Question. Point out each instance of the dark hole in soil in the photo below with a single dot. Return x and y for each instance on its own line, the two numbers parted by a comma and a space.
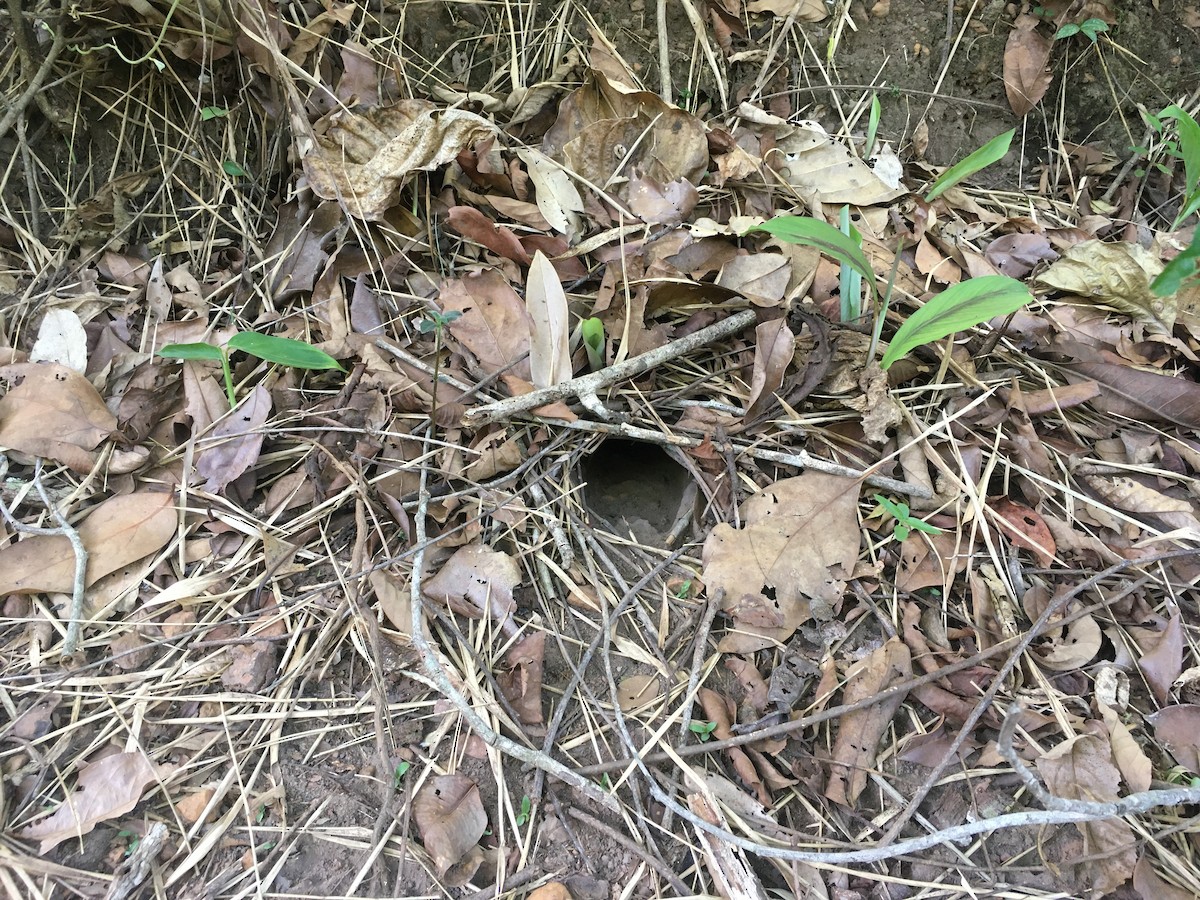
636, 486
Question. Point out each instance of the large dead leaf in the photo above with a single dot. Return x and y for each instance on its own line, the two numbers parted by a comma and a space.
521, 683
53, 412
791, 559
361, 160
477, 582
1133, 496
1115, 274
235, 442
1178, 729
773, 350
549, 347
117, 532
1081, 769
859, 732
1027, 73
449, 812
494, 325
555, 194
106, 789
607, 136
475, 226
1162, 662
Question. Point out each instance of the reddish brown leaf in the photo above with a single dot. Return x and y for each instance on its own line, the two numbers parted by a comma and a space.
1027, 74
475, 226
1026, 529
235, 442
494, 324
522, 683
1178, 729
1164, 661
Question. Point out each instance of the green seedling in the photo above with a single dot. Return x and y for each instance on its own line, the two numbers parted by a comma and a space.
906, 522
281, 351
526, 809
1188, 132
592, 331
132, 840
208, 113
398, 774
1090, 28
991, 152
701, 729
809, 232
234, 168
849, 280
436, 324
959, 307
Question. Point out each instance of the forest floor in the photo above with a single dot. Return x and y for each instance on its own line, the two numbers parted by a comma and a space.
445, 452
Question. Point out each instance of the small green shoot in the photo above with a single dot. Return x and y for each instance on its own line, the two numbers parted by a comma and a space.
701, 729
906, 522
684, 589
849, 281
809, 232
872, 125
131, 838
523, 814
232, 167
1090, 28
281, 351
592, 331
208, 113
436, 324
1188, 132
399, 773
959, 307
261, 815
991, 152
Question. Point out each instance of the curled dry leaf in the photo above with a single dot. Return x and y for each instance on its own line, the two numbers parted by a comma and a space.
859, 731
773, 350
1072, 647
797, 547
361, 160
521, 684
450, 815
235, 442
1117, 275
1135, 497
1027, 74
1136, 768
475, 226
53, 412
1081, 768
107, 788
117, 532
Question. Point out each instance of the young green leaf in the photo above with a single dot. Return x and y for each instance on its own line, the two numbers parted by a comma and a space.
592, 331
191, 351
1186, 265
811, 232
992, 151
284, 351
959, 307
1189, 149
232, 167
872, 125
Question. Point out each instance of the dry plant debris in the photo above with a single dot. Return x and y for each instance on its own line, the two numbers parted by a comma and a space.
927, 629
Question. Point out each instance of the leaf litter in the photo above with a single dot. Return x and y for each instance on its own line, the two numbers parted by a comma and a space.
799, 682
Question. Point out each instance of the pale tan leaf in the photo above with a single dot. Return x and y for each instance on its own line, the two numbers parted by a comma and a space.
790, 560
1135, 497
395, 600
1178, 729
1136, 768
450, 815
1162, 662
859, 732
549, 344
1072, 647
117, 532
477, 582
762, 277
1027, 74
638, 691
554, 192
53, 412
106, 789
62, 340
804, 10
1148, 883
361, 160
825, 169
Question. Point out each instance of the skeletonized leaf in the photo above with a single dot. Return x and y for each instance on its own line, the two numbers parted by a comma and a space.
960, 306
549, 344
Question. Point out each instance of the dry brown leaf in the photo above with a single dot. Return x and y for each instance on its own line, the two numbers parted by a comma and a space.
1136, 768
1073, 647
494, 325
1135, 497
1028, 529
554, 192
638, 691
395, 600
1018, 253
762, 277
1142, 396
521, 684
1081, 768
930, 561
1150, 885
53, 412
107, 788
1163, 662
661, 204
773, 350
117, 532
62, 340
1115, 274
475, 226
822, 168
361, 160
477, 582
1027, 73
235, 442
797, 547
804, 10
450, 814
549, 344
719, 711
555, 890
1178, 729
859, 732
